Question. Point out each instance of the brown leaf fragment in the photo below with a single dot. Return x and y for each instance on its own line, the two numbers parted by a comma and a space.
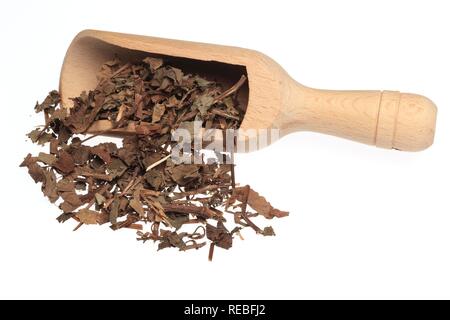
175, 74
63, 217
85, 111
64, 163
154, 63
156, 208
102, 153
172, 102
65, 185
46, 158
66, 207
202, 82
80, 185
54, 146
59, 114
171, 239
158, 112
36, 172
80, 153
183, 174
121, 112
155, 178
71, 198
102, 218
175, 240
29, 159
50, 102
163, 244
177, 220
114, 213
87, 216
203, 103
147, 128
150, 159
116, 167
137, 206
49, 185
219, 235
40, 137
268, 231
261, 205
139, 102
99, 199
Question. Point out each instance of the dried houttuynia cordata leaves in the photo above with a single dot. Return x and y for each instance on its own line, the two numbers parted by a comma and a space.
138, 185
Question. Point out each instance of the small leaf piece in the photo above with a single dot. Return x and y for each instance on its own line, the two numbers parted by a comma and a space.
87, 216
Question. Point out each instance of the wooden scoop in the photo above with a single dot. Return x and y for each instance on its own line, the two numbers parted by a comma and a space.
387, 119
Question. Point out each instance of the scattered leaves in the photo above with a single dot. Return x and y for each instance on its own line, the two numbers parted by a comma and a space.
138, 185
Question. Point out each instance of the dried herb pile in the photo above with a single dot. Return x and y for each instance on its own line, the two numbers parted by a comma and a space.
137, 185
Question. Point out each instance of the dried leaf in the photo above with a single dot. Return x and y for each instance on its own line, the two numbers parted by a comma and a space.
137, 206
49, 185
155, 179
99, 199
262, 206
37, 136
102, 153
158, 112
46, 158
71, 198
185, 173
87, 216
177, 220
203, 103
64, 163
114, 212
268, 231
219, 235
152, 99
116, 167
63, 217
154, 63
50, 102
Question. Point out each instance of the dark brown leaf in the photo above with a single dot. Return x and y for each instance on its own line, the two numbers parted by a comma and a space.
219, 235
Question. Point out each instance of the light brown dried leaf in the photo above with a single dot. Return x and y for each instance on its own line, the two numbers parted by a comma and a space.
87, 216
263, 207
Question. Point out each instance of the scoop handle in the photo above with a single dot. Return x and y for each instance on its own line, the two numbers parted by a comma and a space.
387, 119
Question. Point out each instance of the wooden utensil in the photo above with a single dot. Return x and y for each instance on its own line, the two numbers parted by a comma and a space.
387, 119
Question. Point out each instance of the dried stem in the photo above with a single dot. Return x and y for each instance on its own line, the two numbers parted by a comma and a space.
231, 90
157, 163
211, 251
233, 179
194, 210
224, 114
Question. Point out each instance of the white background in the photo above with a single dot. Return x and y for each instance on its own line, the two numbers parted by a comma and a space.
364, 223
